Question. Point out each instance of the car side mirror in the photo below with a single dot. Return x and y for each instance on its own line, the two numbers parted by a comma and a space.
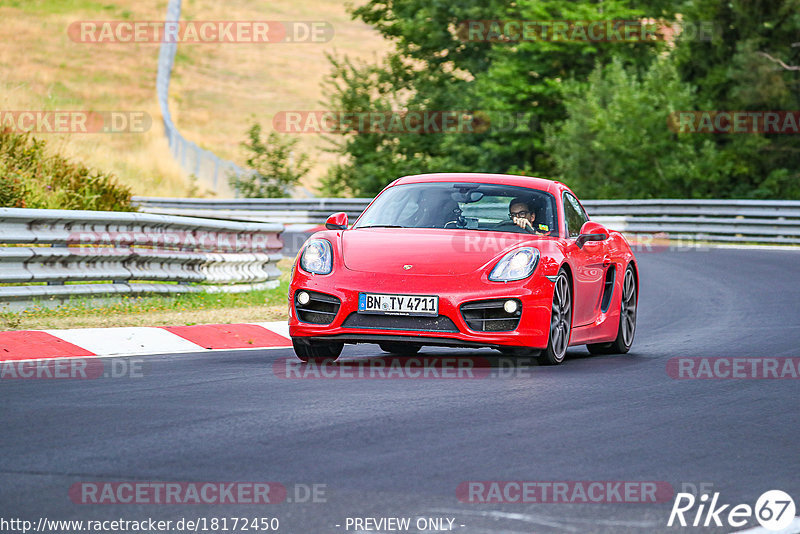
337, 221
591, 231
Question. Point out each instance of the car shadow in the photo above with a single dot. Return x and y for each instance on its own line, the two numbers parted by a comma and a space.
482, 359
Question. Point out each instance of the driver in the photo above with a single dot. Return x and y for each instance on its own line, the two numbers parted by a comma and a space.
522, 213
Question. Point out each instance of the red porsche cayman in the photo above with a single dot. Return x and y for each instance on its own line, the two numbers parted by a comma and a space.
465, 260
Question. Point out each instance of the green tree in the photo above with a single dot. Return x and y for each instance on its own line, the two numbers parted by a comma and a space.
275, 168
434, 67
616, 142
750, 64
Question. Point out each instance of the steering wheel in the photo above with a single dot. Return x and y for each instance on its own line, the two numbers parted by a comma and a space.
527, 229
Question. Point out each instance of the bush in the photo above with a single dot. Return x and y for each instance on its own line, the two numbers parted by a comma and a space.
31, 178
273, 172
11, 192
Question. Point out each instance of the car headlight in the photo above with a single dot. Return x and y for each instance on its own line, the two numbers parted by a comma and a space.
515, 265
317, 257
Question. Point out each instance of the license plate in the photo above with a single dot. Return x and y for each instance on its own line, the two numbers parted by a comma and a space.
398, 304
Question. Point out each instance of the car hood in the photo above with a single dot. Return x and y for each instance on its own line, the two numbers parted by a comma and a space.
428, 251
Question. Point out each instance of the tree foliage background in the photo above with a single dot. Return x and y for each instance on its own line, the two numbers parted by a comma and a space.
594, 113
274, 168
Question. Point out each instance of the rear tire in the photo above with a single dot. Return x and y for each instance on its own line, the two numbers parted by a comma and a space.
599, 348
317, 352
627, 319
404, 349
560, 322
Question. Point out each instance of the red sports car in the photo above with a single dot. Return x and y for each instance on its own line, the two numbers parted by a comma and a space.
465, 260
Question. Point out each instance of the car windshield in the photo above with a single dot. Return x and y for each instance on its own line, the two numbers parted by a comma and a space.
471, 206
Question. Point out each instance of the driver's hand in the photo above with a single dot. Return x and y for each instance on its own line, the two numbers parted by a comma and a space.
523, 223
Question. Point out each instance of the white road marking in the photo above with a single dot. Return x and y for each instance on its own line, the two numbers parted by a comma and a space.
130, 341
526, 518
279, 327
793, 528
557, 522
196, 350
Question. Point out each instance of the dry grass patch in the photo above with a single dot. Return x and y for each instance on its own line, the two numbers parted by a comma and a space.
217, 90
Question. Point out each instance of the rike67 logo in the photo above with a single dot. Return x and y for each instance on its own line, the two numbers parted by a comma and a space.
774, 510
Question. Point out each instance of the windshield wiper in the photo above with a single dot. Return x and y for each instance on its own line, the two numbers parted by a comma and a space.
383, 226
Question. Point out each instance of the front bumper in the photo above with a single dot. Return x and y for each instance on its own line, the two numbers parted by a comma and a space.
535, 295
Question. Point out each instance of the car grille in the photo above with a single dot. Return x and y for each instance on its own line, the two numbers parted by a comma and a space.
440, 323
321, 309
490, 316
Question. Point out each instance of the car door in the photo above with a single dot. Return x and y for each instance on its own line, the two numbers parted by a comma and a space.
587, 264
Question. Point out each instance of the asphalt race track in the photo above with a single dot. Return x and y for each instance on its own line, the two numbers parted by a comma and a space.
400, 448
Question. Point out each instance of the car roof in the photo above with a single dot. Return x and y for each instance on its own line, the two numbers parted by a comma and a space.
479, 177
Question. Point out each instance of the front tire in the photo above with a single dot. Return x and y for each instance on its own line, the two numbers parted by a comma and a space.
627, 319
560, 322
519, 352
317, 352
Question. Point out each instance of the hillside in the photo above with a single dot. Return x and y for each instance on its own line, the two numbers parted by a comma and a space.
217, 89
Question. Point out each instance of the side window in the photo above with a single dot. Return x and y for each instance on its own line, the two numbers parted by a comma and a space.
573, 215
489, 209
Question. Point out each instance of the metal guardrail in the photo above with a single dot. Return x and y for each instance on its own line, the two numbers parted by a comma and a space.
715, 221
57, 254
761, 221
283, 210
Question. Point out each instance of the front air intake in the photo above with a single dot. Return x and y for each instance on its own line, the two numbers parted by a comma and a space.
319, 309
440, 323
491, 315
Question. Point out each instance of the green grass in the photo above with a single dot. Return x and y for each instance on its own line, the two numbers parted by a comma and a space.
60, 7
148, 304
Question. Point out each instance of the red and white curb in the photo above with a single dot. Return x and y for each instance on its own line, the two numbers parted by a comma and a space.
135, 341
